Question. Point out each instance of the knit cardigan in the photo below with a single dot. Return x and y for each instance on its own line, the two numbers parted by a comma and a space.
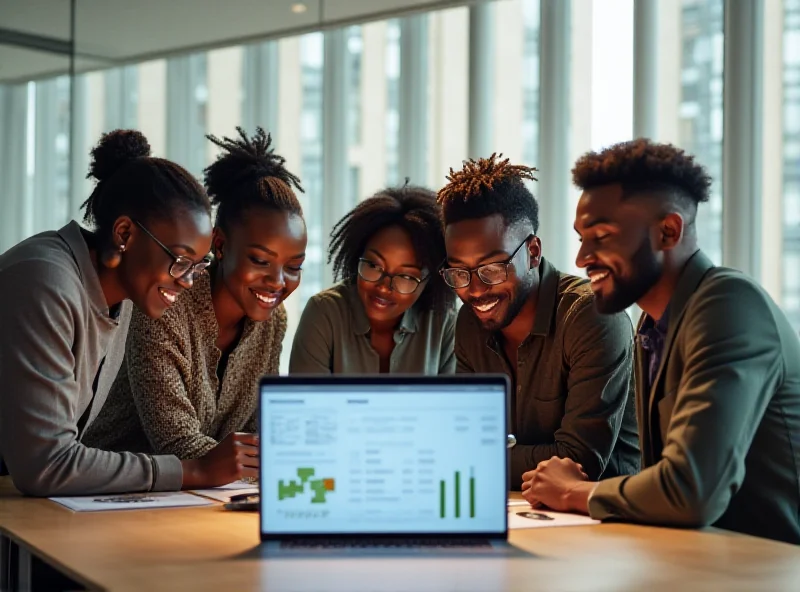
167, 398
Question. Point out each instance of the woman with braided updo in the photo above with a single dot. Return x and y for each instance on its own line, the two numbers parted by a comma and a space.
190, 378
391, 312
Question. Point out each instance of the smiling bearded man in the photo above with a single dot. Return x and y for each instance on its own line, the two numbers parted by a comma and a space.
717, 361
569, 365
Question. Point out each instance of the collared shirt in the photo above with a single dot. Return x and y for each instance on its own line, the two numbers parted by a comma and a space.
333, 338
652, 337
167, 398
572, 390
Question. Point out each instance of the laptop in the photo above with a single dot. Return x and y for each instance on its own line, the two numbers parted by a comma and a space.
383, 462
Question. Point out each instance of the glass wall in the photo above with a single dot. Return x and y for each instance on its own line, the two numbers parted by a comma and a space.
359, 108
700, 131
404, 98
791, 161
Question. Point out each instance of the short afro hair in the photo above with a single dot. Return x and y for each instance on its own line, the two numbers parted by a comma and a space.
487, 187
412, 208
641, 166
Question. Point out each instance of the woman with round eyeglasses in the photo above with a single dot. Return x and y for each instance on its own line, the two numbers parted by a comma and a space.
190, 377
183, 268
65, 311
391, 312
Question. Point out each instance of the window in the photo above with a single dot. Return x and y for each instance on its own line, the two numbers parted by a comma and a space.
310, 98
392, 124
791, 162
700, 129
406, 94
612, 73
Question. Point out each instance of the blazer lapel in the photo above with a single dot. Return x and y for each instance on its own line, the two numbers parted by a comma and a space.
691, 276
640, 376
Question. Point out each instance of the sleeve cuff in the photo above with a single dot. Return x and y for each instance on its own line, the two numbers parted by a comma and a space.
601, 506
167, 473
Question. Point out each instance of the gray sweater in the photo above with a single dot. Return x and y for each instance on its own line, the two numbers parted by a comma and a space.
57, 339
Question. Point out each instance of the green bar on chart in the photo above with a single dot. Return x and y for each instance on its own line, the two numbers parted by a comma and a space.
471, 493
441, 498
458, 494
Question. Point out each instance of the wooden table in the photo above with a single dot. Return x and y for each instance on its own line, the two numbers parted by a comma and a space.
213, 549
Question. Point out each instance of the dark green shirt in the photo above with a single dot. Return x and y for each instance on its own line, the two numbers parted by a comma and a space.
333, 338
572, 390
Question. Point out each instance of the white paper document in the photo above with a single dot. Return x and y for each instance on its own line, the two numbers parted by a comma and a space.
521, 503
530, 518
226, 492
240, 484
131, 501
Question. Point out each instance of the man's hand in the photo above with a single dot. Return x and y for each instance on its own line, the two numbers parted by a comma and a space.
559, 484
235, 457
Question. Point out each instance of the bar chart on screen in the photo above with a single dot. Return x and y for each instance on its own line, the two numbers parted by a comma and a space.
462, 497
378, 461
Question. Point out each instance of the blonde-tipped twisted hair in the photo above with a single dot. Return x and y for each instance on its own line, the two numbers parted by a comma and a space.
482, 174
489, 186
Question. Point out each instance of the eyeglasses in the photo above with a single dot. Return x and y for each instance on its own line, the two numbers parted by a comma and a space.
181, 266
490, 274
400, 283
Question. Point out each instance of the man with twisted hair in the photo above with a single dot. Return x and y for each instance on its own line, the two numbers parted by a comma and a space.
569, 365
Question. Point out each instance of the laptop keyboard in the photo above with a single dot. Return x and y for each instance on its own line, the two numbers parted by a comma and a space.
383, 543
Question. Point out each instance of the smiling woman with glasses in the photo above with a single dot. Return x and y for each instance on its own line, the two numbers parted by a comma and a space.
66, 320
183, 268
402, 283
391, 312
189, 377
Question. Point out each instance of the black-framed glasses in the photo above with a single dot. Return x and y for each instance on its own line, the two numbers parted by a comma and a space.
399, 282
490, 274
181, 266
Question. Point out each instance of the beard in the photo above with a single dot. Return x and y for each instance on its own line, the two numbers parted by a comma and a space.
645, 271
515, 304
524, 292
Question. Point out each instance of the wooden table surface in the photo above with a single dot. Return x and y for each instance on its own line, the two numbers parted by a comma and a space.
213, 549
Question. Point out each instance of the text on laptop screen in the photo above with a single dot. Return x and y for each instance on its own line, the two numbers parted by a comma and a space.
388, 459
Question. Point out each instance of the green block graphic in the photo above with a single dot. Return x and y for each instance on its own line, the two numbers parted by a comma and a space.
318, 487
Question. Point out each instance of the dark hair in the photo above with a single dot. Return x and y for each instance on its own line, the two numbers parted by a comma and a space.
409, 207
643, 166
248, 174
132, 183
487, 187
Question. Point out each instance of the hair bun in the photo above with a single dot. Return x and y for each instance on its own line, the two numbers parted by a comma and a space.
114, 150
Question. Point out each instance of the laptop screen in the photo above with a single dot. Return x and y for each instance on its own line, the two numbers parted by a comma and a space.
383, 456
